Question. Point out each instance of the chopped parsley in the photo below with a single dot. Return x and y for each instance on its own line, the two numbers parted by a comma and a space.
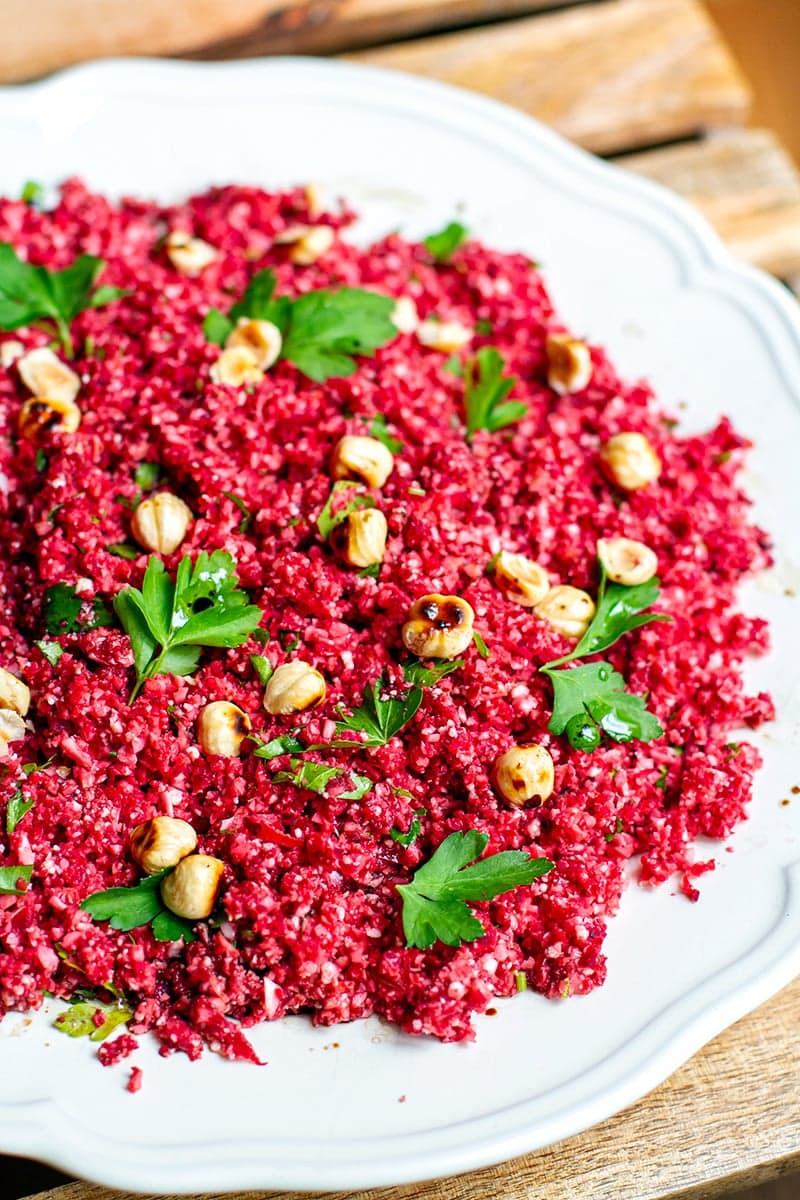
312, 776
16, 809
10, 879
247, 516
322, 330
480, 645
51, 650
485, 391
379, 717
168, 623
434, 902
362, 784
379, 429
32, 193
262, 667
124, 550
285, 744
411, 834
128, 908
428, 674
63, 608
35, 296
80, 1019
147, 475
618, 827
442, 245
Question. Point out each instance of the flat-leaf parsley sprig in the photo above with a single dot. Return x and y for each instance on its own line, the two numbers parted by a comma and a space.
322, 330
35, 296
128, 908
593, 696
168, 623
434, 902
485, 391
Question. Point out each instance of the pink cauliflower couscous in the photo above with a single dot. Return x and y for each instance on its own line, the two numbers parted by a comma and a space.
307, 916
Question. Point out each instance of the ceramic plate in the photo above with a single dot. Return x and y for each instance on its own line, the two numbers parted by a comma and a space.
631, 267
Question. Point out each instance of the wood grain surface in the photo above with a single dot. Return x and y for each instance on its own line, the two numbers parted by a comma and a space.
747, 186
42, 35
609, 76
728, 1119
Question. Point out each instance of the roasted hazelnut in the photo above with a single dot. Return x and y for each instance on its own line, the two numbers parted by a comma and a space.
14, 694
191, 890
523, 580
261, 338
524, 773
446, 336
161, 842
357, 457
569, 364
630, 461
293, 687
47, 377
236, 366
438, 626
311, 245
567, 609
40, 416
627, 561
360, 539
160, 522
12, 729
10, 351
222, 728
189, 255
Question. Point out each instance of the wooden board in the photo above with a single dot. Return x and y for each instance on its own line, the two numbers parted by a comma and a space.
42, 35
729, 1118
747, 186
610, 76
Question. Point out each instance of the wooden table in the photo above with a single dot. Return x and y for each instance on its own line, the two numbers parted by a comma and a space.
652, 84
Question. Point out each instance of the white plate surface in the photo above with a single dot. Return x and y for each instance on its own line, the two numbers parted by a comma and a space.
630, 267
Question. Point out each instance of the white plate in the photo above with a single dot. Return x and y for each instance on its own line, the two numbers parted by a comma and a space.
360, 1105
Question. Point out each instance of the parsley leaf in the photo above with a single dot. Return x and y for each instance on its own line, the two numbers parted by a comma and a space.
10, 877
485, 391
379, 429
34, 295
312, 776
362, 784
328, 519
124, 550
130, 907
168, 623
428, 674
16, 809
619, 610
480, 645
597, 689
32, 193
412, 833
443, 244
262, 667
51, 650
147, 475
434, 907
62, 611
285, 744
378, 717
322, 330
79, 1020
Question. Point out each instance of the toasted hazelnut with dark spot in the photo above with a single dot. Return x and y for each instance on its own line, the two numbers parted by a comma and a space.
47, 377
630, 461
627, 561
523, 580
161, 842
40, 416
567, 609
222, 727
524, 773
569, 364
438, 626
293, 687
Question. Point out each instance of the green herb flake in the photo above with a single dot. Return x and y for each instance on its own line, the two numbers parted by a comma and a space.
51, 650
32, 193
147, 475
734, 749
63, 607
480, 645
428, 674
618, 827
416, 491
16, 809
285, 744
262, 667
483, 327
32, 295
79, 1020
410, 835
379, 429
10, 879
247, 516
485, 391
442, 245
312, 776
454, 366
362, 785
521, 981
661, 782
127, 908
169, 623
434, 902
492, 563
124, 550
31, 768
217, 328
41, 461
373, 571
328, 519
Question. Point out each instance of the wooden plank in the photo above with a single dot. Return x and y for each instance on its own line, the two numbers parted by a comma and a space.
747, 186
612, 76
729, 1118
42, 35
